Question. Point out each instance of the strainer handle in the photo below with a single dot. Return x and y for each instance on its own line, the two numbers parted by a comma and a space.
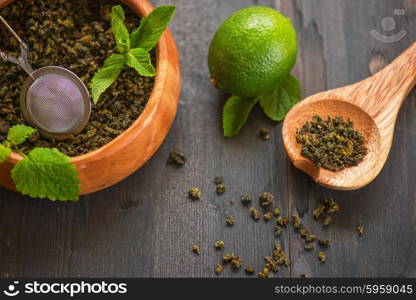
22, 60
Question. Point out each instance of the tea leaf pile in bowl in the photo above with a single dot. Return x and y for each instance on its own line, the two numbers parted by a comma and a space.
76, 35
96, 41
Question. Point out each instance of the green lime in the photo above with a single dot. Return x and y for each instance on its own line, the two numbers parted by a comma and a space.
252, 52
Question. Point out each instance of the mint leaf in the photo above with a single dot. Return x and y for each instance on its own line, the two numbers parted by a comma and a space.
152, 27
19, 133
4, 153
115, 59
278, 102
120, 31
235, 114
47, 173
140, 60
106, 76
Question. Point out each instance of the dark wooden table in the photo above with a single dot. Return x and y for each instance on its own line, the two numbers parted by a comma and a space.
145, 226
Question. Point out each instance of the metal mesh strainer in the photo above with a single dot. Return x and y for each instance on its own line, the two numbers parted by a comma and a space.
53, 99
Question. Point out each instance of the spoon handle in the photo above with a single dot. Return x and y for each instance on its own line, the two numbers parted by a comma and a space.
382, 95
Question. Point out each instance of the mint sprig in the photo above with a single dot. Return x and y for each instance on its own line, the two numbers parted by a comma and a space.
43, 173
133, 49
19, 133
106, 76
235, 114
15, 136
140, 60
276, 104
47, 173
120, 31
4, 153
152, 27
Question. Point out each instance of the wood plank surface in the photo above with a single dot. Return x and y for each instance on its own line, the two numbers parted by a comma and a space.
146, 225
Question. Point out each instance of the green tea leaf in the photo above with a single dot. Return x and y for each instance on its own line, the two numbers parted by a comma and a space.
235, 114
152, 27
120, 31
277, 103
139, 59
19, 133
4, 153
47, 173
106, 76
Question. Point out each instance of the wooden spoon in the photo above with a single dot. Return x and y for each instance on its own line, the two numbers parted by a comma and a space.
372, 104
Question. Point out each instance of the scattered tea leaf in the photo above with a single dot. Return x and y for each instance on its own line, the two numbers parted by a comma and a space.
255, 214
271, 264
218, 269
220, 188
303, 232
249, 270
230, 221
196, 249
296, 221
227, 257
309, 247
264, 134
236, 262
219, 245
311, 238
245, 200
319, 209
195, 193
264, 274
267, 216
322, 256
265, 199
331, 205
282, 221
324, 242
276, 212
360, 229
177, 158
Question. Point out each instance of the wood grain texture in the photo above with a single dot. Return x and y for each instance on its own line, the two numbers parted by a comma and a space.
121, 157
145, 226
336, 50
372, 104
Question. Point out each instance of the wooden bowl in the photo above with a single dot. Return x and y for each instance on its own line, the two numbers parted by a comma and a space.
122, 156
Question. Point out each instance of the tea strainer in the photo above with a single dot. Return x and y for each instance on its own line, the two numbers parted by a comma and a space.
53, 99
